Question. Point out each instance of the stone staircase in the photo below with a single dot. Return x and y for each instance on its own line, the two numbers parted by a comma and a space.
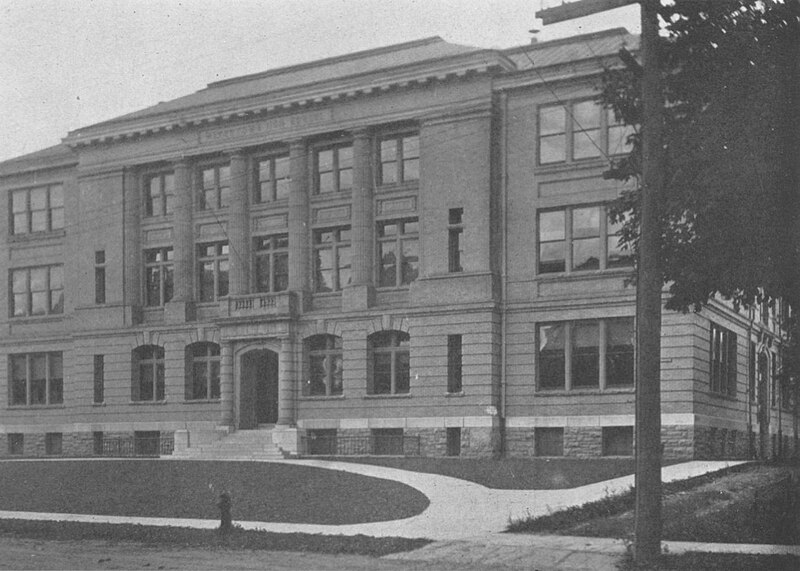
240, 445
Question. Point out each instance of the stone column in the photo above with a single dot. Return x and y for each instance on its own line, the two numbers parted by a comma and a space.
226, 384
239, 227
132, 291
299, 270
286, 382
180, 309
360, 294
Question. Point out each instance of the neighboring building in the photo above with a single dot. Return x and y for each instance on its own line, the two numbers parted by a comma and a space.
408, 241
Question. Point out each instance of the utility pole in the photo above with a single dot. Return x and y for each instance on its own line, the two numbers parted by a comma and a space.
647, 545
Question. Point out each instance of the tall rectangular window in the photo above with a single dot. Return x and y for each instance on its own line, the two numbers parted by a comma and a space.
586, 354
215, 187
455, 243
158, 272
213, 264
331, 259
16, 444
751, 373
723, 360
333, 168
37, 291
272, 179
454, 364
399, 158
398, 252
579, 238
586, 141
271, 263
38, 209
618, 135
100, 277
53, 443
159, 194
36, 379
552, 134
99, 379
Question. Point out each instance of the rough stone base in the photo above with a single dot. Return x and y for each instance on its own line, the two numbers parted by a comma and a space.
73, 444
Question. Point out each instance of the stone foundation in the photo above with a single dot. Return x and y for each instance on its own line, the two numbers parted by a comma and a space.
73, 444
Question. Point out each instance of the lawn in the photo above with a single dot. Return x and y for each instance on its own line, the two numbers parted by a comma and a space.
513, 473
151, 488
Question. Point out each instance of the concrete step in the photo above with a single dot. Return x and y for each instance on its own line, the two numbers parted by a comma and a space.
244, 444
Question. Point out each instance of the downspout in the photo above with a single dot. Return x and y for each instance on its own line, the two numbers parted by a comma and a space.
504, 265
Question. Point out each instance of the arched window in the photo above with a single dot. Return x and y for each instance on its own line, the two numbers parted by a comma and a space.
323, 365
389, 362
148, 373
202, 371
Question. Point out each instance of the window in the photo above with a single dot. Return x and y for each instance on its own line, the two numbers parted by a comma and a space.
37, 379
580, 130
99, 379
570, 241
548, 441
38, 209
158, 271
751, 373
53, 443
331, 259
454, 441
215, 187
334, 169
202, 371
159, 194
100, 277
321, 441
16, 444
571, 353
390, 363
37, 291
97, 443
454, 360
212, 259
617, 440
723, 360
398, 252
272, 263
148, 373
455, 246
399, 158
325, 365
273, 179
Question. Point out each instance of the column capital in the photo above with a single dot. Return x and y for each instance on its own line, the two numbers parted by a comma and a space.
361, 132
180, 162
298, 144
236, 154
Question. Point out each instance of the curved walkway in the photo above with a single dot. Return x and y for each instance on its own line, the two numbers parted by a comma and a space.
458, 509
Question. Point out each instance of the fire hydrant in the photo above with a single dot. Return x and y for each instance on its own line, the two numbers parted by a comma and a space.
225, 522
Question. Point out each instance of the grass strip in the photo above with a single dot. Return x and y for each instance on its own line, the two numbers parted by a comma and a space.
237, 539
721, 562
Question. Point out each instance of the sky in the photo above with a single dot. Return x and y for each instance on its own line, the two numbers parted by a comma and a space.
67, 64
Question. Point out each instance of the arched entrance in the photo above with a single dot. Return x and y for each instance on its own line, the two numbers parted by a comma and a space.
258, 396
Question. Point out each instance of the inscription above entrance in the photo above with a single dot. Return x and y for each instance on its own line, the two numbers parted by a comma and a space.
250, 129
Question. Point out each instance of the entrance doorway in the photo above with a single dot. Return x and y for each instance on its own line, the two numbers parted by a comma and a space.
258, 402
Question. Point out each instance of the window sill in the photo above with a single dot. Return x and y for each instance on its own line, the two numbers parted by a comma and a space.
36, 236
201, 401
721, 396
584, 391
403, 287
54, 317
459, 394
398, 186
99, 404
35, 406
146, 402
388, 396
568, 165
331, 196
585, 274
321, 397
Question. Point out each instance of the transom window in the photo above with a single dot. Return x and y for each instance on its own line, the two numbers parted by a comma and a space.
37, 291
215, 187
570, 240
723, 360
159, 194
587, 354
325, 366
398, 252
334, 169
212, 259
390, 363
579, 130
399, 158
148, 373
38, 209
202, 371
36, 379
273, 179
158, 271
331, 259
272, 263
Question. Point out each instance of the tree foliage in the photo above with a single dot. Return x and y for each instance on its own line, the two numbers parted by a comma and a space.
731, 209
